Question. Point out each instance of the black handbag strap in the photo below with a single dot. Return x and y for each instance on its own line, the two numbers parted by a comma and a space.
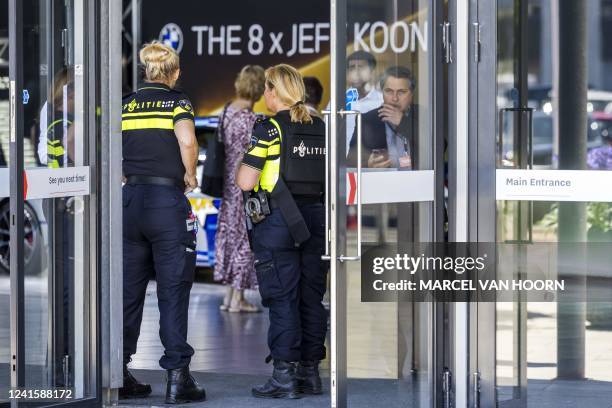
220, 126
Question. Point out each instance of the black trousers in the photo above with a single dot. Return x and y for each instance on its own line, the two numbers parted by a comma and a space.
157, 242
292, 282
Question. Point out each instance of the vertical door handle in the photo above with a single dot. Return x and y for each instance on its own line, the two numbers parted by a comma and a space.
529, 112
522, 149
357, 257
12, 111
522, 121
327, 256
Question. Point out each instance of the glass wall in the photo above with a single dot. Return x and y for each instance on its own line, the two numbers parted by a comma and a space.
388, 79
56, 289
543, 126
5, 289
58, 314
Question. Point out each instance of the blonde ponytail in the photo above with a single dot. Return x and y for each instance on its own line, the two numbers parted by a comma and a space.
160, 62
289, 86
299, 113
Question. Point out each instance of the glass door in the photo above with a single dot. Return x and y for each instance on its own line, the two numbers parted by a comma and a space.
52, 262
385, 193
544, 148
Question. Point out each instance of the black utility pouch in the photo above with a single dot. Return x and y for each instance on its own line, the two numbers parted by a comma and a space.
257, 206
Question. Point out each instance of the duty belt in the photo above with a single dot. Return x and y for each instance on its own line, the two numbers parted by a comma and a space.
159, 181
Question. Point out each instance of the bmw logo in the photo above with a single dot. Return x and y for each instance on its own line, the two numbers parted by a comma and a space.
172, 35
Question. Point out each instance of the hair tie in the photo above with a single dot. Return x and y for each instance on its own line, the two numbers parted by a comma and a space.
298, 103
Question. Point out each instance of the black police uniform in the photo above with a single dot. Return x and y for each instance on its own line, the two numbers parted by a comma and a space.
159, 235
292, 277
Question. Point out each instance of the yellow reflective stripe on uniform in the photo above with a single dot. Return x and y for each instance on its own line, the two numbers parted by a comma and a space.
55, 150
55, 122
258, 152
53, 164
52, 142
153, 113
274, 150
179, 109
269, 175
263, 142
151, 123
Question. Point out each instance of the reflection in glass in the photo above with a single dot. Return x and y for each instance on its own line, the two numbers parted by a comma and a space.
5, 291
387, 80
56, 122
5, 298
57, 310
533, 339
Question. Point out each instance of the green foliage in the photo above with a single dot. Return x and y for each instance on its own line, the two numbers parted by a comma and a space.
599, 217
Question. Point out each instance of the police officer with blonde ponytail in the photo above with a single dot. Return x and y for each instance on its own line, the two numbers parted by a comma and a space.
283, 172
160, 154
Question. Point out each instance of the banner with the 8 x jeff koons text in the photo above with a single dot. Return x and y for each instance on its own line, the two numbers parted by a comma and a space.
487, 272
215, 41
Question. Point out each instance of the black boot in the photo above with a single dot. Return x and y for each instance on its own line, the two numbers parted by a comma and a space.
282, 384
183, 388
132, 388
308, 380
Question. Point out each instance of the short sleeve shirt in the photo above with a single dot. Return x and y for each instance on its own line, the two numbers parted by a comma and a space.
263, 152
150, 146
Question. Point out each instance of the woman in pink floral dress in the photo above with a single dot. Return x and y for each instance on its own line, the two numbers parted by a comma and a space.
233, 257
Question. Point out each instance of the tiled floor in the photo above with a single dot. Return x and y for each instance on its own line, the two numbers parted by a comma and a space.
230, 351
223, 342
233, 391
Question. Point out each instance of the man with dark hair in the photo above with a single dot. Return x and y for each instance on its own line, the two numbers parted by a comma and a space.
314, 94
360, 72
390, 133
361, 76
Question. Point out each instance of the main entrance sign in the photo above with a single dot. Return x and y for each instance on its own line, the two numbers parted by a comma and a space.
553, 185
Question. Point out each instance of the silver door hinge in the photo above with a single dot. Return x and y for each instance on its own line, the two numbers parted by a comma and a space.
66, 371
477, 45
447, 44
447, 379
476, 389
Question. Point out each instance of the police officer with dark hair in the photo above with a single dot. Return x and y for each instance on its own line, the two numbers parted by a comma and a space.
160, 154
284, 171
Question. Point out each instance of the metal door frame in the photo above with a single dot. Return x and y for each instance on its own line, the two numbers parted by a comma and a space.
337, 190
87, 86
440, 344
17, 205
472, 189
482, 114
